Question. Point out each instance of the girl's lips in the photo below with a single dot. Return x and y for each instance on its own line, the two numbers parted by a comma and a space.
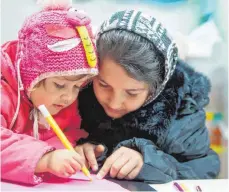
114, 111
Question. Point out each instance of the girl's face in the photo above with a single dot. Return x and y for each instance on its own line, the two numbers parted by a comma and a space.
56, 93
118, 93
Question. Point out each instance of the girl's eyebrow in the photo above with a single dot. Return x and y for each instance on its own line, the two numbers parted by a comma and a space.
140, 89
103, 81
131, 90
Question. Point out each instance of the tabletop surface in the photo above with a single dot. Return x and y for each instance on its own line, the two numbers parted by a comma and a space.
208, 185
214, 185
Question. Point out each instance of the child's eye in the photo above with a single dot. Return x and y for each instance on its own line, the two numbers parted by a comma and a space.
58, 86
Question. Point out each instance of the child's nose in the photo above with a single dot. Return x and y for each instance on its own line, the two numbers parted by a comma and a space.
67, 97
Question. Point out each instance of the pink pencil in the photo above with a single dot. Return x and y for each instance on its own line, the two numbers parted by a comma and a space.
178, 187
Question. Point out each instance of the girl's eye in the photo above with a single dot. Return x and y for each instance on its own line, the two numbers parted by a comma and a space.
132, 94
103, 85
58, 86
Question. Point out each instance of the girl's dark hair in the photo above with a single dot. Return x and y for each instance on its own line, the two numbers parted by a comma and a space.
137, 55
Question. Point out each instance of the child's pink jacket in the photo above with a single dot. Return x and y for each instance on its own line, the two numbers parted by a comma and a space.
20, 151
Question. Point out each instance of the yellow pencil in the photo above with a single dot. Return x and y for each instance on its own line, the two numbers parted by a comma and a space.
60, 135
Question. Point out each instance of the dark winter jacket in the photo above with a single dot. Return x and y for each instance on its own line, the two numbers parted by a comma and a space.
169, 132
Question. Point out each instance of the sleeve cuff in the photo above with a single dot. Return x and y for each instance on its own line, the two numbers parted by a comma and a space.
38, 178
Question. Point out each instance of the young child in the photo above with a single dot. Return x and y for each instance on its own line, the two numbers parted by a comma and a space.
48, 64
146, 107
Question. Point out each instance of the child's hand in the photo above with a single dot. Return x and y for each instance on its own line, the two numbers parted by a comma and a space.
89, 152
123, 163
62, 163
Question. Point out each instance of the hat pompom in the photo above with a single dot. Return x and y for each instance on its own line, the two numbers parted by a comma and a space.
55, 4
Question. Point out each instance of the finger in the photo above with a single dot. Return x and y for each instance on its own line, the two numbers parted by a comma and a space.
90, 156
79, 150
117, 165
126, 169
134, 173
87, 165
66, 175
75, 165
77, 157
63, 174
99, 150
108, 163
69, 169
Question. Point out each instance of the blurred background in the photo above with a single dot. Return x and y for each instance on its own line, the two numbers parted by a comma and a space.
199, 27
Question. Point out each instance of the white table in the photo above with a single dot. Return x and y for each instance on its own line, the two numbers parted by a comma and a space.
215, 185
211, 185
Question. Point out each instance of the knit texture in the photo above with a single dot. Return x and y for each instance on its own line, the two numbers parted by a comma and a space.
38, 61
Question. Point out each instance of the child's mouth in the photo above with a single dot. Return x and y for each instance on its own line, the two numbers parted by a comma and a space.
58, 106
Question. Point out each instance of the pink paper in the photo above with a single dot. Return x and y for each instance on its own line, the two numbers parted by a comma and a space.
78, 182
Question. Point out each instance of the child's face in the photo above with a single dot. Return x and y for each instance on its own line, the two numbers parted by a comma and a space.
56, 93
118, 93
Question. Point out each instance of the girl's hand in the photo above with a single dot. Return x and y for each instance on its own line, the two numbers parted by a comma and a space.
89, 152
124, 163
62, 163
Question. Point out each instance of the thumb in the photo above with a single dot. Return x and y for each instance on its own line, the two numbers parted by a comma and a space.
99, 149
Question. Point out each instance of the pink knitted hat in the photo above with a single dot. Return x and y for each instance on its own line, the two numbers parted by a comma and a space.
51, 45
